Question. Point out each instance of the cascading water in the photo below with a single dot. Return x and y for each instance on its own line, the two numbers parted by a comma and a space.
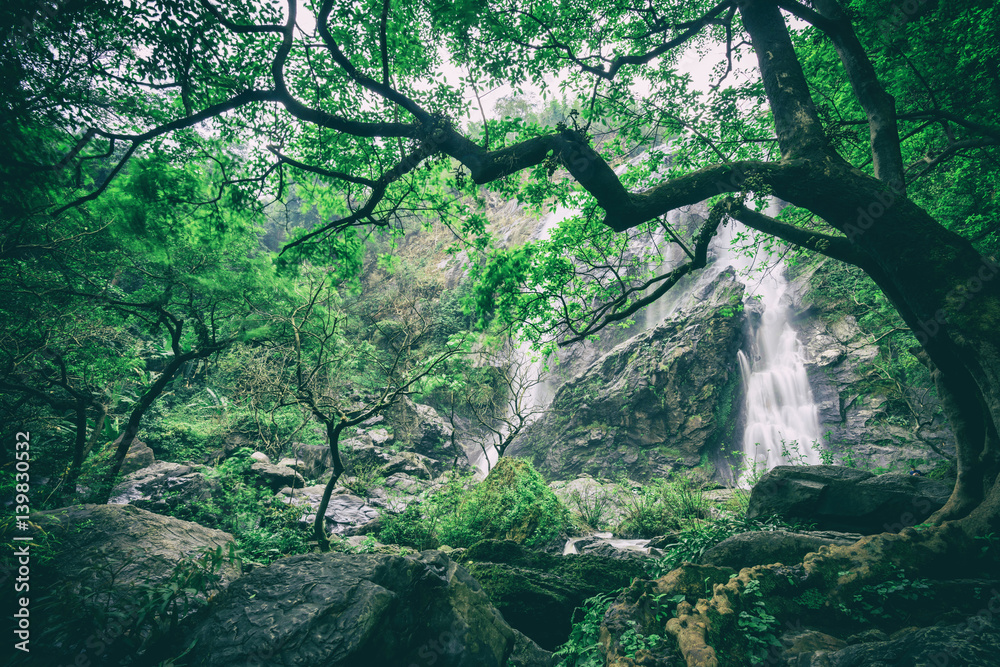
782, 419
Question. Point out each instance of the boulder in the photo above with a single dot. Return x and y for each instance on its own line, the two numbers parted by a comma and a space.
356, 609
972, 643
260, 457
148, 544
345, 515
106, 567
419, 428
312, 460
778, 546
163, 486
231, 444
139, 456
276, 477
658, 401
618, 549
537, 592
362, 456
398, 491
846, 499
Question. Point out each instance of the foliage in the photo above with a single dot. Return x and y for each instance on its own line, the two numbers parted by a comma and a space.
889, 600
691, 542
411, 528
583, 648
512, 503
592, 508
658, 507
363, 478
265, 527
758, 626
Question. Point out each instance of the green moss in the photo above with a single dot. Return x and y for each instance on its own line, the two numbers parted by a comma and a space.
512, 503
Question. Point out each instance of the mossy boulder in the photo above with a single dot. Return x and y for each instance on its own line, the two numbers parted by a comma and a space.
357, 609
536, 592
512, 503
664, 399
778, 546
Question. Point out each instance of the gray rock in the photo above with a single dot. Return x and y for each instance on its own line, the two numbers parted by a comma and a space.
419, 428
877, 432
845, 499
606, 549
537, 592
763, 548
117, 558
276, 477
399, 490
803, 646
973, 643
361, 455
260, 457
313, 460
139, 456
364, 609
346, 514
163, 485
152, 543
656, 402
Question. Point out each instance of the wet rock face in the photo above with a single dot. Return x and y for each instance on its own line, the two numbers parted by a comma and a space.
660, 400
346, 514
351, 610
139, 456
149, 544
879, 430
310, 460
420, 429
972, 643
779, 546
162, 486
537, 592
846, 499
106, 562
275, 477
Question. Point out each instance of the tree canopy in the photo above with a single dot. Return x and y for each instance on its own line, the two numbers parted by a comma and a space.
876, 121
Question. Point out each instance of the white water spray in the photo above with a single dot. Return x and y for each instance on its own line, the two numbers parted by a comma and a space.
782, 419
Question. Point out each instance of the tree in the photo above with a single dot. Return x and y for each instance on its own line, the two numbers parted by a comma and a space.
500, 388
149, 264
360, 104
340, 366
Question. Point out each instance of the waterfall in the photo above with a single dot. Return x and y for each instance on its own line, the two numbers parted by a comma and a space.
782, 420
781, 417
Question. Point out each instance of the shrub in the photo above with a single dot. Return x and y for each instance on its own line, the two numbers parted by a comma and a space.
593, 507
408, 528
265, 527
659, 507
512, 503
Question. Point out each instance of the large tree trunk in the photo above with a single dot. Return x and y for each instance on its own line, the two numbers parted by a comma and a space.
945, 291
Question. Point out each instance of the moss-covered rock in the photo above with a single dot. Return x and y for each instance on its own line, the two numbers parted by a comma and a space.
512, 503
662, 399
